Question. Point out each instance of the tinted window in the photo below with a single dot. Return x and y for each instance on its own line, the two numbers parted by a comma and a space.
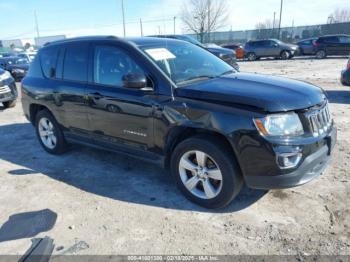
344, 39
76, 63
331, 39
111, 64
48, 59
307, 42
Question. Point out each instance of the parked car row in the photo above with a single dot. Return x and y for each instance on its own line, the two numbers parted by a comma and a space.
320, 47
8, 91
16, 65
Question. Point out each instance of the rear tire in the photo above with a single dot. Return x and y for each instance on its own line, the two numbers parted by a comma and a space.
205, 172
321, 54
49, 133
9, 104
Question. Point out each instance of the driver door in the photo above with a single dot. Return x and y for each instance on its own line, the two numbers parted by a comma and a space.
118, 115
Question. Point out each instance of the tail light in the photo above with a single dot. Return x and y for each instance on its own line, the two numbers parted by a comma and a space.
316, 44
349, 64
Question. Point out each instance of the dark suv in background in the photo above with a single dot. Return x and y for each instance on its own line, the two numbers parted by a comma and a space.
8, 90
17, 66
269, 48
227, 55
173, 103
307, 46
332, 45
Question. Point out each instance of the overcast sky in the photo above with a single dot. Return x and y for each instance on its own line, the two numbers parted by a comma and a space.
91, 17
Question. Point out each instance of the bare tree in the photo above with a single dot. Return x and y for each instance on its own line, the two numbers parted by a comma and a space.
204, 16
268, 24
340, 16
267, 29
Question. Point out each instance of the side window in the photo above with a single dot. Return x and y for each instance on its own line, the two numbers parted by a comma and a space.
75, 65
48, 59
332, 39
344, 39
111, 64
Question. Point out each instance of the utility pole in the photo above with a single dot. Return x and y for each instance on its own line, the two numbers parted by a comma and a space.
279, 27
123, 13
36, 25
273, 25
209, 6
141, 27
174, 25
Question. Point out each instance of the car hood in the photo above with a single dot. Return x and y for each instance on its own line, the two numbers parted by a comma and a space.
291, 46
265, 93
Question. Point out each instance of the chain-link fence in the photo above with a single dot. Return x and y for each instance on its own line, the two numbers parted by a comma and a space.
287, 34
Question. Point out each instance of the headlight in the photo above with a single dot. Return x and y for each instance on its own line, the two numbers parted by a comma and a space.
287, 124
5, 76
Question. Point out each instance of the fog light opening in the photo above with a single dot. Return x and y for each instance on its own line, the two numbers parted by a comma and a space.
288, 160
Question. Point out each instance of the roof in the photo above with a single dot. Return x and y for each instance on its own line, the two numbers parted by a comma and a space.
136, 40
83, 38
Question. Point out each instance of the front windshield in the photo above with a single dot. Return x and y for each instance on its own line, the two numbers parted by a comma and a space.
184, 62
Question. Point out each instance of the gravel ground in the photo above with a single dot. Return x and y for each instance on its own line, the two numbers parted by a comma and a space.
95, 202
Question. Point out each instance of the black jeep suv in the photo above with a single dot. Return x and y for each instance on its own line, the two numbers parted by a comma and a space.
176, 104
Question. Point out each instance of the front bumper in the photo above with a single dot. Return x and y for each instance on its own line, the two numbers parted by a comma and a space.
312, 166
8, 92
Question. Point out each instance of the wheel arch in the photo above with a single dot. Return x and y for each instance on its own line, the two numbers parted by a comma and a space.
34, 109
179, 134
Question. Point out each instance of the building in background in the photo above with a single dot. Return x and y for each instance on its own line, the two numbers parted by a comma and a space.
41, 41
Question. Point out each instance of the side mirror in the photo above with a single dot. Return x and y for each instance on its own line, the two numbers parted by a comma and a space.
276, 45
137, 81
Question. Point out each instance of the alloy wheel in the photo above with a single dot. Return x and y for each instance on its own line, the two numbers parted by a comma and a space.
47, 133
200, 174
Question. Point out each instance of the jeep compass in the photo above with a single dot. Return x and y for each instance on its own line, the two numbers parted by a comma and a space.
173, 103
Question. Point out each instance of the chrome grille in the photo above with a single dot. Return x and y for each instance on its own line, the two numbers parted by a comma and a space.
4, 90
320, 121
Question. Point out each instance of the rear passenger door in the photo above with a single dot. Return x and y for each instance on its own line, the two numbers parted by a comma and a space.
70, 93
332, 45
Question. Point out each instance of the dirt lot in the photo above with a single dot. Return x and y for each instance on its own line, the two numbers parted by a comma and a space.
93, 202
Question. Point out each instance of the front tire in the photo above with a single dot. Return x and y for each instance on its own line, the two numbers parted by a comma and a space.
9, 104
252, 57
49, 133
285, 55
206, 172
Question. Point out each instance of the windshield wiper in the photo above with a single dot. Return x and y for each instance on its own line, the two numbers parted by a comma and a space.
196, 78
228, 72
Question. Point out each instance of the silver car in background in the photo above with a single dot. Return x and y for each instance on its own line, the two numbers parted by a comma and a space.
269, 48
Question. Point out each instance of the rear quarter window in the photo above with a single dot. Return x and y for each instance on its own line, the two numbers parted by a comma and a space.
48, 61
